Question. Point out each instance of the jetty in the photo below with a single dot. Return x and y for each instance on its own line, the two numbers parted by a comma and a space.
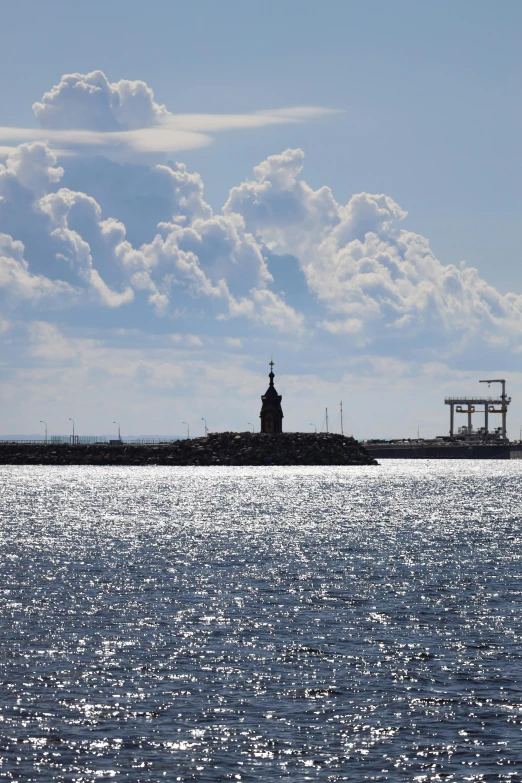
216, 448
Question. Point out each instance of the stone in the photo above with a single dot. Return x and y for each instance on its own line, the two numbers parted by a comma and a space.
247, 448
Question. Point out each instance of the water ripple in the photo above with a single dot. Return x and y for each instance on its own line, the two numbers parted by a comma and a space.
215, 624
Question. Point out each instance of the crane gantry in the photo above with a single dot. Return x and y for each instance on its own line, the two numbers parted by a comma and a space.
456, 406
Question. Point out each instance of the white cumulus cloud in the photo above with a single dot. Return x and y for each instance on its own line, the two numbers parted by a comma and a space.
90, 102
371, 274
17, 280
194, 255
149, 243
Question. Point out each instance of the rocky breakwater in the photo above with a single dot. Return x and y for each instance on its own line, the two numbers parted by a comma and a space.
219, 448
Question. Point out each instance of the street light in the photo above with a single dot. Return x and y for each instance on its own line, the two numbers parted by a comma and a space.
119, 433
44, 422
73, 440
250, 423
313, 425
188, 430
206, 428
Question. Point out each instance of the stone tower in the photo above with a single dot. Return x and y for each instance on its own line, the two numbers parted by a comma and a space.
271, 412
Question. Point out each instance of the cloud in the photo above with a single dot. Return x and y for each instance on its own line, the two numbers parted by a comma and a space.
33, 166
269, 309
213, 123
141, 241
90, 102
86, 112
141, 197
29, 172
373, 277
373, 280
19, 283
188, 339
195, 255
156, 385
48, 343
277, 202
215, 258
119, 144
119, 282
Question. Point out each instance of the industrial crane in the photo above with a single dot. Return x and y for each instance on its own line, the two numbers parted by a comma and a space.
505, 402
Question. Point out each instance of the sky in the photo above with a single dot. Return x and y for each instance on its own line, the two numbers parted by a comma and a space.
189, 189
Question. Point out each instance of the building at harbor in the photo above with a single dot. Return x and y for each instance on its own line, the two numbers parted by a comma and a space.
271, 411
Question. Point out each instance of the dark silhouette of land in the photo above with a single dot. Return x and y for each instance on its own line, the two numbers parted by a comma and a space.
218, 448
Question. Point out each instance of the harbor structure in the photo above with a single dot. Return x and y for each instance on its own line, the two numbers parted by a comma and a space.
271, 411
469, 406
464, 443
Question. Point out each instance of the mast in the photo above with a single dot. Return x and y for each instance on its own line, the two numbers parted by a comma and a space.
342, 432
326, 419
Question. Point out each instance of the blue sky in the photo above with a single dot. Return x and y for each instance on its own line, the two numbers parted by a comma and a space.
341, 161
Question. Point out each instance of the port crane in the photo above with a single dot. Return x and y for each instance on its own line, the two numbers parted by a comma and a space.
504, 403
468, 405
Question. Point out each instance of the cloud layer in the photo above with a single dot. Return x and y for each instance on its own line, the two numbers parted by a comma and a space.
368, 279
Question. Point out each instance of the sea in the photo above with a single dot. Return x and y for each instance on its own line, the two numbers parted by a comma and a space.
262, 624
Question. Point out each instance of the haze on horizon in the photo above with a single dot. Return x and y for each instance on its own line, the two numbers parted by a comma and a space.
189, 189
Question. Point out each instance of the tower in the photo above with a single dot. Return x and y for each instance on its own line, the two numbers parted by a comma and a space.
271, 412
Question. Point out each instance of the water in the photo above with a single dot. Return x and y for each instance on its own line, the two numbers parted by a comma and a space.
262, 624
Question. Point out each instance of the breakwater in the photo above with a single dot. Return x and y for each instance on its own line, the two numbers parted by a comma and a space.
220, 448
444, 450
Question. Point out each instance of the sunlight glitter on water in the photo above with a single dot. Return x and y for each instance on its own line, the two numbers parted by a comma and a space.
262, 623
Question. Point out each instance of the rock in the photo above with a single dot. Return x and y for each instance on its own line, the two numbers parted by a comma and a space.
225, 448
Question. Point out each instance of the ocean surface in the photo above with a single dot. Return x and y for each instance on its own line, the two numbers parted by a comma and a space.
262, 624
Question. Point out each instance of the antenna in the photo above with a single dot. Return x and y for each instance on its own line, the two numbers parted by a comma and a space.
326, 419
342, 432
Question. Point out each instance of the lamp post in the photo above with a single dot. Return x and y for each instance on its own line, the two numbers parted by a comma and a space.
313, 425
206, 428
44, 422
119, 433
188, 430
250, 423
73, 436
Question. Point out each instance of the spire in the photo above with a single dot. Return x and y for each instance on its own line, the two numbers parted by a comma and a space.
271, 374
